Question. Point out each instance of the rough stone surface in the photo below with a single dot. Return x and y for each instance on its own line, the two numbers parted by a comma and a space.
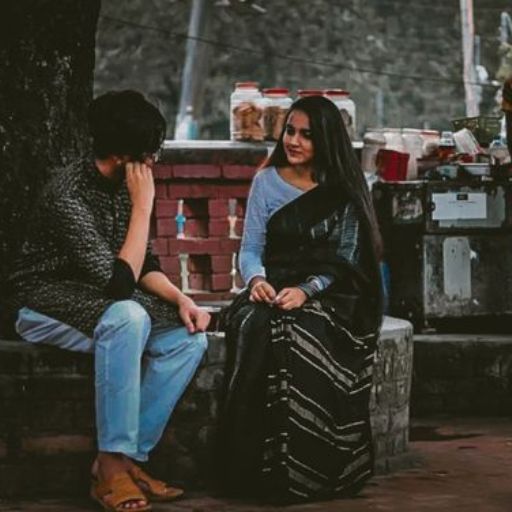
462, 374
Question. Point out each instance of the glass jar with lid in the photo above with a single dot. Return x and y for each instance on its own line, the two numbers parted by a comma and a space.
346, 106
246, 113
303, 93
276, 102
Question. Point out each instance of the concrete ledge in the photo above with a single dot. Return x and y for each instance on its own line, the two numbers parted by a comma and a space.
47, 416
389, 403
462, 374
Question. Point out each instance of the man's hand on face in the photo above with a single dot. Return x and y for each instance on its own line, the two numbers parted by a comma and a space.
141, 187
195, 318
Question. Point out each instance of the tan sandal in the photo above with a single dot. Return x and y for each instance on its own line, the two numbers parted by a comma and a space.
155, 490
120, 490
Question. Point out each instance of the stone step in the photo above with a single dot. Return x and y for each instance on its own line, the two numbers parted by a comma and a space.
47, 416
462, 374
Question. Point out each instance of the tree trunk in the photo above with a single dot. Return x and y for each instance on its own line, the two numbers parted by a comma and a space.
46, 70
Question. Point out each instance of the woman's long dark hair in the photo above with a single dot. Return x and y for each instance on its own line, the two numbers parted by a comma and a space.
334, 161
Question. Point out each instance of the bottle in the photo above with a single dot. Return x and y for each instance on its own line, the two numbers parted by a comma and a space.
276, 103
180, 221
347, 108
499, 151
446, 147
187, 126
245, 121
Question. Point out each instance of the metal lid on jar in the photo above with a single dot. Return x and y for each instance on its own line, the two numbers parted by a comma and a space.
281, 91
336, 92
310, 92
247, 85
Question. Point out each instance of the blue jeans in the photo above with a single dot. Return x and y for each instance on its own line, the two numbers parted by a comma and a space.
140, 371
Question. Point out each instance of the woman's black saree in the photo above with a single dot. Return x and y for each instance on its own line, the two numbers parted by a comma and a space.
295, 424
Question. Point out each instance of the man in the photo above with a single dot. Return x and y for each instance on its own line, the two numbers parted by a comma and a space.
86, 281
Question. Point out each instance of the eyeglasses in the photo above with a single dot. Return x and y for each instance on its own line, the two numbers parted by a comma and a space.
154, 157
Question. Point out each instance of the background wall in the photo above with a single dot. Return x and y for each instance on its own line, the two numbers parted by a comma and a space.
143, 50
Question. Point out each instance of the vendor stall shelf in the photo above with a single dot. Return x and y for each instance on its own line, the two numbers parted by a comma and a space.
448, 248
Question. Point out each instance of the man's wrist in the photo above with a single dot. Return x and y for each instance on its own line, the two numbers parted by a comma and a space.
142, 211
184, 300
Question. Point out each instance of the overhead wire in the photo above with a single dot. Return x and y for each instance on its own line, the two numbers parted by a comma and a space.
291, 58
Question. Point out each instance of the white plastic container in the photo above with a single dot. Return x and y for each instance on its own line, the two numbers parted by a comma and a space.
246, 112
276, 102
394, 139
347, 108
430, 141
373, 140
413, 144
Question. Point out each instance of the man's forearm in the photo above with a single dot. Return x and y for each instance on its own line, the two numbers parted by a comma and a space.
157, 283
133, 250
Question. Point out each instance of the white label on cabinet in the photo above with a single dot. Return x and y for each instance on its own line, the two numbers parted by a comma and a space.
459, 205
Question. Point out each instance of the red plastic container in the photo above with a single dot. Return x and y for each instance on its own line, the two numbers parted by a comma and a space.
392, 165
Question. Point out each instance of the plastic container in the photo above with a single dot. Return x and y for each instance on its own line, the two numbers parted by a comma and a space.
430, 142
246, 112
465, 142
392, 165
394, 140
413, 144
477, 169
276, 102
373, 141
484, 128
347, 108
446, 147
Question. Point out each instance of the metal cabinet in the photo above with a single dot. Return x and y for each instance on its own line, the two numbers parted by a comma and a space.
448, 248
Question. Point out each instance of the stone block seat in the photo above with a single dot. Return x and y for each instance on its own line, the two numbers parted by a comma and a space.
47, 416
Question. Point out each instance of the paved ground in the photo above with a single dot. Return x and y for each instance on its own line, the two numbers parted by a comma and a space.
461, 465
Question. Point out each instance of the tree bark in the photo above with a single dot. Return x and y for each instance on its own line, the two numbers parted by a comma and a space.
46, 69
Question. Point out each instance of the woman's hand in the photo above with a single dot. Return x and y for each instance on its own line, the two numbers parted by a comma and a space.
290, 298
195, 318
141, 187
261, 291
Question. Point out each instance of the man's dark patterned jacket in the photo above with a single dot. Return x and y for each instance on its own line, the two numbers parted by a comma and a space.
67, 263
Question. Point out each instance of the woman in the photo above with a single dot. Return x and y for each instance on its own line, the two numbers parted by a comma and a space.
302, 334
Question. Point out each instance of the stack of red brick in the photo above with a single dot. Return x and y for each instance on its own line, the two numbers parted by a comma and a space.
210, 193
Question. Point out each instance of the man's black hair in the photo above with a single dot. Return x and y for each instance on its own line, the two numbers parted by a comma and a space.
125, 123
